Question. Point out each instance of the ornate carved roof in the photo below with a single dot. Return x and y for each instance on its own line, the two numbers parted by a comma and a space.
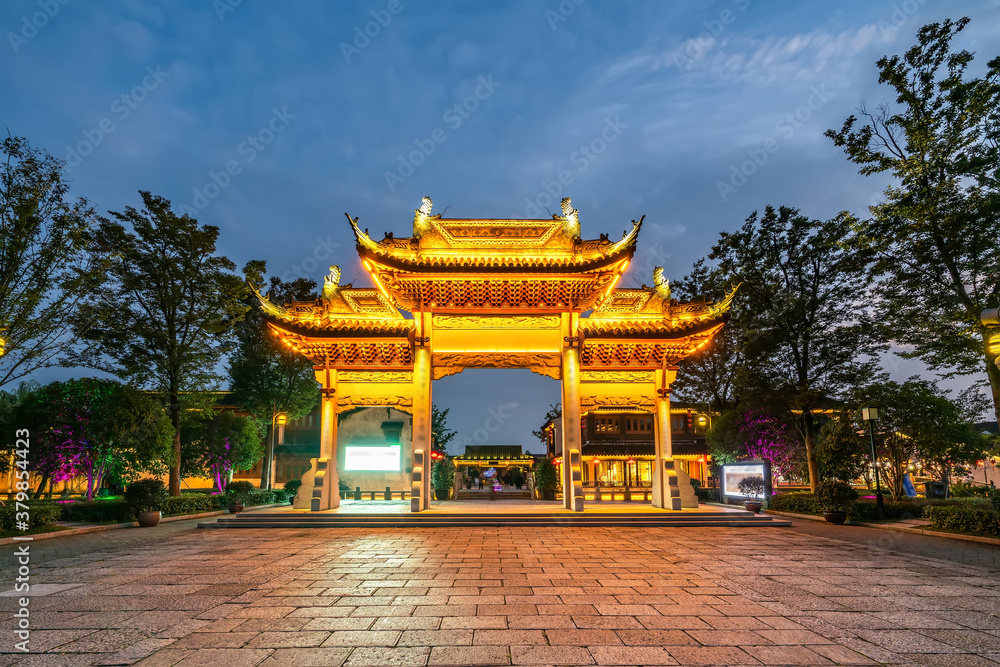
342, 311
448, 244
478, 267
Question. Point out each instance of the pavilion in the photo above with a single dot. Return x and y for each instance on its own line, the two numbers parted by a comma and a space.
485, 293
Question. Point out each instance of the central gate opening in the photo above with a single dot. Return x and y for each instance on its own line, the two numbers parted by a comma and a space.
497, 416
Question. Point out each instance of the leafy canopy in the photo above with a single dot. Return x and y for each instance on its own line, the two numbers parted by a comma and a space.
934, 237
46, 263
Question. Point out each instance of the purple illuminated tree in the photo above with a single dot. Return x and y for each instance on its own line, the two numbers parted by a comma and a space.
95, 428
765, 437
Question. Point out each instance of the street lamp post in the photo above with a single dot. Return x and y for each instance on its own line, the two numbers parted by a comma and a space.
278, 421
870, 414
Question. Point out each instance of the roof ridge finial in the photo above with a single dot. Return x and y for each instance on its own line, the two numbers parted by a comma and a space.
572, 217
421, 217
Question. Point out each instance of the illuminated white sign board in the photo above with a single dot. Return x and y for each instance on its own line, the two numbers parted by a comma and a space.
733, 473
382, 458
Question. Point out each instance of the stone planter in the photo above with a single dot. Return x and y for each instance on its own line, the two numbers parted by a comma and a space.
835, 516
149, 519
548, 494
440, 494
236, 508
752, 506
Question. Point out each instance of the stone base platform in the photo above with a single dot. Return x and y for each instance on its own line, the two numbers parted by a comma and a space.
394, 514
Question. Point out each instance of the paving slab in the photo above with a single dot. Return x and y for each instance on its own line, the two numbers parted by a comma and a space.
507, 596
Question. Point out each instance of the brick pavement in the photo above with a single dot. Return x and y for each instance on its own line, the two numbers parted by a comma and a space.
501, 596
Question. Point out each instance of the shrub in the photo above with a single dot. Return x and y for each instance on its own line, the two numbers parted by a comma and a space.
239, 492
545, 476
706, 495
190, 504
443, 475
97, 511
970, 518
753, 486
39, 515
995, 500
835, 496
965, 490
292, 487
146, 495
797, 503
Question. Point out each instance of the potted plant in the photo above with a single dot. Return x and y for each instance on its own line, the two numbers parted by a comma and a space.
835, 498
442, 478
546, 480
292, 488
755, 488
236, 495
146, 498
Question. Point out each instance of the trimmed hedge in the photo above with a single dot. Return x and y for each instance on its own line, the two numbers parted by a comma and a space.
867, 510
118, 511
39, 514
706, 495
797, 503
969, 518
97, 511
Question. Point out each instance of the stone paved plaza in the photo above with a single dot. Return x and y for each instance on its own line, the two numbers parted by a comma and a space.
176, 595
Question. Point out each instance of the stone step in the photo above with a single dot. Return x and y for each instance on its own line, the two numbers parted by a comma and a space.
590, 519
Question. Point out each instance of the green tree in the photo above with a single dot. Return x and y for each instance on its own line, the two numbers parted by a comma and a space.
46, 267
937, 260
917, 422
554, 413
439, 428
266, 377
221, 444
843, 450
164, 318
803, 335
97, 428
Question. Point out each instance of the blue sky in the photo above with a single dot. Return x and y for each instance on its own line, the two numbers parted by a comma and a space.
270, 120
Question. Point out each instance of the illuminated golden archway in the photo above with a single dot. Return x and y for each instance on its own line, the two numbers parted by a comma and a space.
495, 294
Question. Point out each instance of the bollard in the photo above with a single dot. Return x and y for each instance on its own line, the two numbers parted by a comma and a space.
357, 493
388, 493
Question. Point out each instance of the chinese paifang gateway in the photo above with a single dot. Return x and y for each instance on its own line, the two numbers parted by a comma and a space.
495, 294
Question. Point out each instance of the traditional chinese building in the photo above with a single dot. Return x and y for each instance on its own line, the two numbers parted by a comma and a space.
485, 293
618, 448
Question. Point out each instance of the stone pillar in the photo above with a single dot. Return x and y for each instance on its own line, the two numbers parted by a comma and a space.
666, 494
326, 486
420, 483
571, 477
